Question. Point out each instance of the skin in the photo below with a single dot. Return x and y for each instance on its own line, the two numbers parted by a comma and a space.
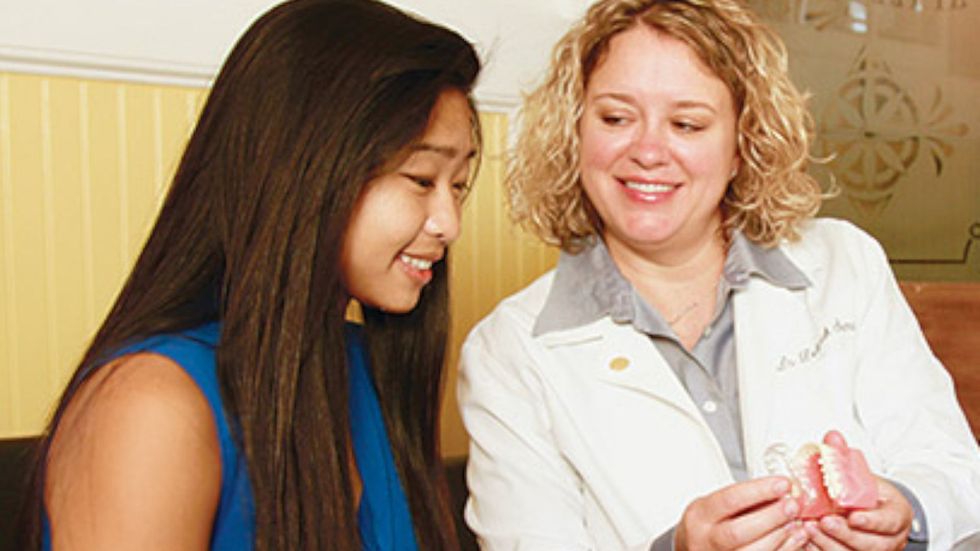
884, 528
411, 213
656, 116
135, 463
753, 515
658, 147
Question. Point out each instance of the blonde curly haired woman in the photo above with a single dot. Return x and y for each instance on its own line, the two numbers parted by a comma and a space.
698, 316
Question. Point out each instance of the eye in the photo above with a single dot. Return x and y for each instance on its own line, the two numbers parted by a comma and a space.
614, 119
687, 127
421, 181
461, 189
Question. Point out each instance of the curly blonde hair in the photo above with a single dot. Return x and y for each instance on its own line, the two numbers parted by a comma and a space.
768, 197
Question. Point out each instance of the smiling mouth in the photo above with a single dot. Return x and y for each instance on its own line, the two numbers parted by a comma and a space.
417, 263
648, 188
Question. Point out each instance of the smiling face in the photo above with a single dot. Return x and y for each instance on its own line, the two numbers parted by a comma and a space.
405, 218
658, 145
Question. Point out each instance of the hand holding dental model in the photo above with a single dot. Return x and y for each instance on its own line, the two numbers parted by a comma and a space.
827, 478
839, 499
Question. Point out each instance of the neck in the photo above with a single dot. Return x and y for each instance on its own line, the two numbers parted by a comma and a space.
682, 285
670, 266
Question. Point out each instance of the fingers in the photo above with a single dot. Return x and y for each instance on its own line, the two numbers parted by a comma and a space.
739, 515
737, 498
789, 537
771, 524
879, 522
820, 540
834, 438
832, 533
892, 516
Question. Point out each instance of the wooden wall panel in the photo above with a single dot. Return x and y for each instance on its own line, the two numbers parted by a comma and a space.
83, 168
491, 260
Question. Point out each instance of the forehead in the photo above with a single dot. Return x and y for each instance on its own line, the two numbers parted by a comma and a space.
643, 59
450, 128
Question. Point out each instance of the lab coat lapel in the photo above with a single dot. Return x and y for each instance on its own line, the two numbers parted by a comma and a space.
625, 358
771, 324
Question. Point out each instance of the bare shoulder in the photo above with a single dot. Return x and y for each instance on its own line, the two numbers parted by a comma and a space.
135, 461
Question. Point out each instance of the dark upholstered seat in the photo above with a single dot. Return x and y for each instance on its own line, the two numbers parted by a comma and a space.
16, 457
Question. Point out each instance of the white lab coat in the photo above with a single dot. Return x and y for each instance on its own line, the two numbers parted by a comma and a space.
570, 450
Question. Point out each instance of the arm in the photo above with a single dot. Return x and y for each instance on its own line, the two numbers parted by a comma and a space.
134, 463
917, 428
523, 493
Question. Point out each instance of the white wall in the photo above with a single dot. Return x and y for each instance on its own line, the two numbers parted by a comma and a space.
184, 41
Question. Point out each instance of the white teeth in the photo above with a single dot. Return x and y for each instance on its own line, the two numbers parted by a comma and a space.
830, 461
649, 188
417, 263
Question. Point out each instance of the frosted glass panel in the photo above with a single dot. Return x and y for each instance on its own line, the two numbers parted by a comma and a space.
895, 90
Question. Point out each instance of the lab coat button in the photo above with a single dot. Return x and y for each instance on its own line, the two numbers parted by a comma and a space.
709, 406
619, 363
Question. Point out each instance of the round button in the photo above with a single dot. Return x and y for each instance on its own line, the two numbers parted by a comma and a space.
707, 331
619, 363
709, 406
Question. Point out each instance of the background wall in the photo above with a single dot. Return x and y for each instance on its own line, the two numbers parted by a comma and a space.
895, 90
83, 168
97, 99
85, 165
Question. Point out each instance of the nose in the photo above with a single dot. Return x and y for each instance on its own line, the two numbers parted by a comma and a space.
648, 147
443, 217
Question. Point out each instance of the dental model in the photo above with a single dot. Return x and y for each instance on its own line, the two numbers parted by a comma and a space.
827, 478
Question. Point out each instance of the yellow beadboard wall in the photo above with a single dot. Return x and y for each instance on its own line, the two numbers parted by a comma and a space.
83, 167
491, 260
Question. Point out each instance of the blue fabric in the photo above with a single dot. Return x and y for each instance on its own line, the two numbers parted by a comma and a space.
383, 517
193, 350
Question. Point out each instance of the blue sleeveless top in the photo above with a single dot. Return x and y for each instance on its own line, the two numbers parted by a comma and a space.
384, 520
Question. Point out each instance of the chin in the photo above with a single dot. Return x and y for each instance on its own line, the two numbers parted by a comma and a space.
403, 306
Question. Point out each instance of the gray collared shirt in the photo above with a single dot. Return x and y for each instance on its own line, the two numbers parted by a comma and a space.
588, 286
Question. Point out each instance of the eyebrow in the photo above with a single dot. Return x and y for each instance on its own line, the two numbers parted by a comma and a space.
683, 104
445, 151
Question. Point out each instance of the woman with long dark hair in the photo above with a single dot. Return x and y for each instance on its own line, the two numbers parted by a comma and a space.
225, 402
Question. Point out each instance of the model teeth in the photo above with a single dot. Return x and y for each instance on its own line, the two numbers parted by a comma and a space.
799, 467
830, 466
417, 263
649, 188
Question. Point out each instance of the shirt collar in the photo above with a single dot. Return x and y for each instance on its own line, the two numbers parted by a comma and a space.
588, 285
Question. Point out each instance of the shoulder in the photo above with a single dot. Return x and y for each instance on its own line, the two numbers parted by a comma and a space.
135, 456
832, 244
516, 313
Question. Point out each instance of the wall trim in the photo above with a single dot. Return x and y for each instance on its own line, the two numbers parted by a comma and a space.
18, 59
60, 63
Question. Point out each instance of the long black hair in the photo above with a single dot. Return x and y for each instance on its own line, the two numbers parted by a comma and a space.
315, 99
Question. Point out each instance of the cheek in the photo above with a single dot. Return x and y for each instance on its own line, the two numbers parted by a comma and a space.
597, 149
711, 162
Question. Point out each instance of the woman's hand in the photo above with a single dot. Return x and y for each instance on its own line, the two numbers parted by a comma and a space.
753, 515
884, 528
